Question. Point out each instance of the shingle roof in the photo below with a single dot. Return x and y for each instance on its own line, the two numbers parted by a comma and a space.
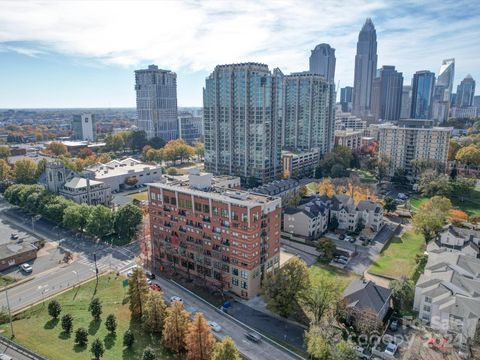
363, 295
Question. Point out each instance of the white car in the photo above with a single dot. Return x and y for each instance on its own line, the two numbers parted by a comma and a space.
176, 298
214, 326
26, 268
5, 357
391, 348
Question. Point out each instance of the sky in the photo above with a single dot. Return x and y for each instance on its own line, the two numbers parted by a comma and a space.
83, 54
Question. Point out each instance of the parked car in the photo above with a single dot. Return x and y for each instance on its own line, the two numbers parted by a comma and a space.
176, 298
391, 348
149, 282
26, 268
155, 287
341, 236
149, 275
14, 236
253, 337
5, 357
352, 239
214, 326
394, 325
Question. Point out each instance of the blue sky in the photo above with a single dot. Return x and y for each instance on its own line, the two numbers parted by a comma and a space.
83, 54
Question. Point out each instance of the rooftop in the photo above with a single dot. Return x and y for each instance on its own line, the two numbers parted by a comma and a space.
119, 167
79, 183
7, 250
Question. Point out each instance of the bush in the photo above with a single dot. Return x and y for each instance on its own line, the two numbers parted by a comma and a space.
81, 337
111, 323
172, 171
148, 354
67, 323
54, 309
95, 308
128, 338
97, 348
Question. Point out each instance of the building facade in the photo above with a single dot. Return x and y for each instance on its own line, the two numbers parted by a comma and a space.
406, 102
465, 92
401, 144
387, 94
86, 191
322, 62
349, 138
156, 91
190, 127
84, 127
230, 239
345, 121
309, 113
423, 84
346, 95
300, 164
365, 69
243, 122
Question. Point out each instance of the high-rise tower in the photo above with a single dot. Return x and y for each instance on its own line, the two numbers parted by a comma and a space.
423, 84
322, 62
365, 68
466, 92
387, 94
157, 102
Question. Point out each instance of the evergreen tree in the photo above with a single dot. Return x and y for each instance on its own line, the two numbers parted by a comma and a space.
97, 348
54, 309
111, 323
95, 308
128, 338
67, 323
81, 337
149, 354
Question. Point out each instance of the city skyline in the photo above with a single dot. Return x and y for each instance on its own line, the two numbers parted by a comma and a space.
99, 61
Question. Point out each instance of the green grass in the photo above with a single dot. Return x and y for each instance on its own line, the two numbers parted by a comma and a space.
37, 331
470, 203
398, 258
141, 196
365, 176
6, 280
341, 276
312, 188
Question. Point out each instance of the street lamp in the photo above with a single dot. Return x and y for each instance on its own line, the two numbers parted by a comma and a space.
43, 289
35, 218
76, 273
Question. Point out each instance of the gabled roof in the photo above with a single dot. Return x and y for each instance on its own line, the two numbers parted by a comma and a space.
368, 205
366, 294
78, 182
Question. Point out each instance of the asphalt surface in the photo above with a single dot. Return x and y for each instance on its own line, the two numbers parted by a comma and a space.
14, 353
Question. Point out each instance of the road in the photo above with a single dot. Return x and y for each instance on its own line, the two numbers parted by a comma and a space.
14, 352
254, 351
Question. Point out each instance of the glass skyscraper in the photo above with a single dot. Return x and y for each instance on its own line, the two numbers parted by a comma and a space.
387, 94
322, 62
242, 122
346, 94
422, 94
465, 92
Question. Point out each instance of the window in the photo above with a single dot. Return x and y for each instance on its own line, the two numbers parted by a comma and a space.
206, 208
198, 207
426, 308
244, 217
235, 271
428, 300
244, 285
244, 274
234, 281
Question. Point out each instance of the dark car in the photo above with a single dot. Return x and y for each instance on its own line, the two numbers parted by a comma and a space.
341, 236
253, 337
14, 236
149, 275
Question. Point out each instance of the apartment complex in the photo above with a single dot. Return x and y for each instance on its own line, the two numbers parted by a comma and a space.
156, 91
349, 138
243, 122
413, 140
84, 127
344, 121
190, 127
300, 164
229, 238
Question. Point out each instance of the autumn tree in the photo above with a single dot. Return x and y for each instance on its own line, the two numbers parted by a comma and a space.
431, 216
321, 299
326, 247
344, 350
199, 341
4, 152
4, 170
469, 155
317, 345
453, 148
57, 148
137, 292
115, 142
175, 328
325, 187
225, 350
24, 171
283, 287
199, 148
153, 317
178, 149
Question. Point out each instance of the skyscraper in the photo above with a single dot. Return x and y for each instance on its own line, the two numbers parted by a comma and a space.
465, 92
365, 68
322, 62
346, 94
84, 127
406, 102
309, 114
242, 122
445, 78
157, 102
422, 94
387, 94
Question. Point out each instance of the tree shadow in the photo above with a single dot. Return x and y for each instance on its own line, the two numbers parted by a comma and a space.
94, 326
50, 324
80, 348
64, 335
109, 340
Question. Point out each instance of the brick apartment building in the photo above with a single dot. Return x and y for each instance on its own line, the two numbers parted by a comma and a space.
229, 238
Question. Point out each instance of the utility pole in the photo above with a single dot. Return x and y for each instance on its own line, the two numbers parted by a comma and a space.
96, 270
9, 313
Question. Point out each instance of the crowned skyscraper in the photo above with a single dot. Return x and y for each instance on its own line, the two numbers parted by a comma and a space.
365, 69
442, 92
322, 62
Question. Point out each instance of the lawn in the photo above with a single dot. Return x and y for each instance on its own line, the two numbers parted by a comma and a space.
343, 277
365, 176
398, 258
312, 188
470, 203
36, 330
140, 196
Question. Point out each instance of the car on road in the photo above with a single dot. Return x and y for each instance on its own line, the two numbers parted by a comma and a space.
155, 287
5, 357
26, 268
341, 261
394, 325
391, 348
214, 326
149, 275
253, 337
149, 282
341, 236
14, 236
176, 298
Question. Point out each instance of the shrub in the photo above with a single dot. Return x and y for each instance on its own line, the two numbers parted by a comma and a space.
54, 309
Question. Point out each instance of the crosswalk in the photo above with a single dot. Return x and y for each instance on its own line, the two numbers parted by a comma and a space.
105, 264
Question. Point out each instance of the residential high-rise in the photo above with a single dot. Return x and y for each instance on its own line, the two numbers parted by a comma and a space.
309, 114
228, 238
365, 68
322, 62
84, 127
157, 102
413, 140
190, 127
346, 94
406, 102
465, 92
423, 84
387, 94
242, 122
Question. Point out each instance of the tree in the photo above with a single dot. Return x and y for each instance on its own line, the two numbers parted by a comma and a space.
365, 321
175, 328
54, 309
178, 149
469, 155
100, 221
282, 288
138, 139
403, 292
156, 142
198, 340
148, 354
453, 148
431, 217
67, 323
75, 216
127, 220
154, 313
57, 148
338, 170
325, 187
114, 142
327, 248
344, 350
303, 191
137, 292
81, 337
111, 323
95, 308
390, 205
432, 183
4, 170
4, 152
225, 350
24, 171
172, 171
97, 348
321, 299
199, 149
317, 346
128, 338
462, 186
318, 172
